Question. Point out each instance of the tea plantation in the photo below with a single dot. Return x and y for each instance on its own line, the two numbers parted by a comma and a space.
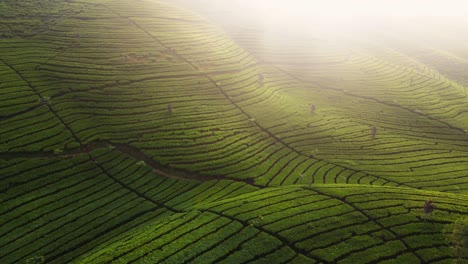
140, 132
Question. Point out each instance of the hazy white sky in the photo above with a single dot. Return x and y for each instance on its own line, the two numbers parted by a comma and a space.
362, 7
341, 19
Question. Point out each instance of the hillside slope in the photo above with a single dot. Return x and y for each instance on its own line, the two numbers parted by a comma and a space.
97, 75
140, 132
320, 224
105, 206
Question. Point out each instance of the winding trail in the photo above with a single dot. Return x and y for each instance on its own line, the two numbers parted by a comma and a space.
224, 93
134, 152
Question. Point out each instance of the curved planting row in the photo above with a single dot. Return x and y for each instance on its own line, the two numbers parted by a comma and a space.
109, 74
105, 206
55, 209
419, 115
26, 121
59, 208
15, 94
341, 224
397, 72
197, 237
338, 130
108, 111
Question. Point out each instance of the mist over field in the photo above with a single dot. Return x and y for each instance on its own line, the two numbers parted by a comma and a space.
233, 131
443, 22
410, 27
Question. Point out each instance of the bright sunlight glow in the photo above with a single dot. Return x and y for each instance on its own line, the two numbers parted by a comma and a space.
344, 8
339, 20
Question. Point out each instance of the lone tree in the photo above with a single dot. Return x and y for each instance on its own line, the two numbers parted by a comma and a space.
169, 107
312, 108
428, 207
373, 130
44, 100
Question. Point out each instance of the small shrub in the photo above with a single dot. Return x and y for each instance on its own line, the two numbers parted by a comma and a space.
429, 207
36, 260
141, 163
44, 100
312, 108
58, 151
373, 131
169, 107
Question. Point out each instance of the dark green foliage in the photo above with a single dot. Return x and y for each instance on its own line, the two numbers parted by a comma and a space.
96, 166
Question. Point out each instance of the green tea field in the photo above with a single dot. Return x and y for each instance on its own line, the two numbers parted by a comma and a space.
145, 132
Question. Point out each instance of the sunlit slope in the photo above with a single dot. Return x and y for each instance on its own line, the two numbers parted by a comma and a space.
342, 224
420, 114
450, 63
104, 205
108, 73
95, 169
107, 202
412, 147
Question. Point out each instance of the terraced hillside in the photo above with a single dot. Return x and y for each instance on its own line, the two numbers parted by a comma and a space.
139, 132
393, 83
